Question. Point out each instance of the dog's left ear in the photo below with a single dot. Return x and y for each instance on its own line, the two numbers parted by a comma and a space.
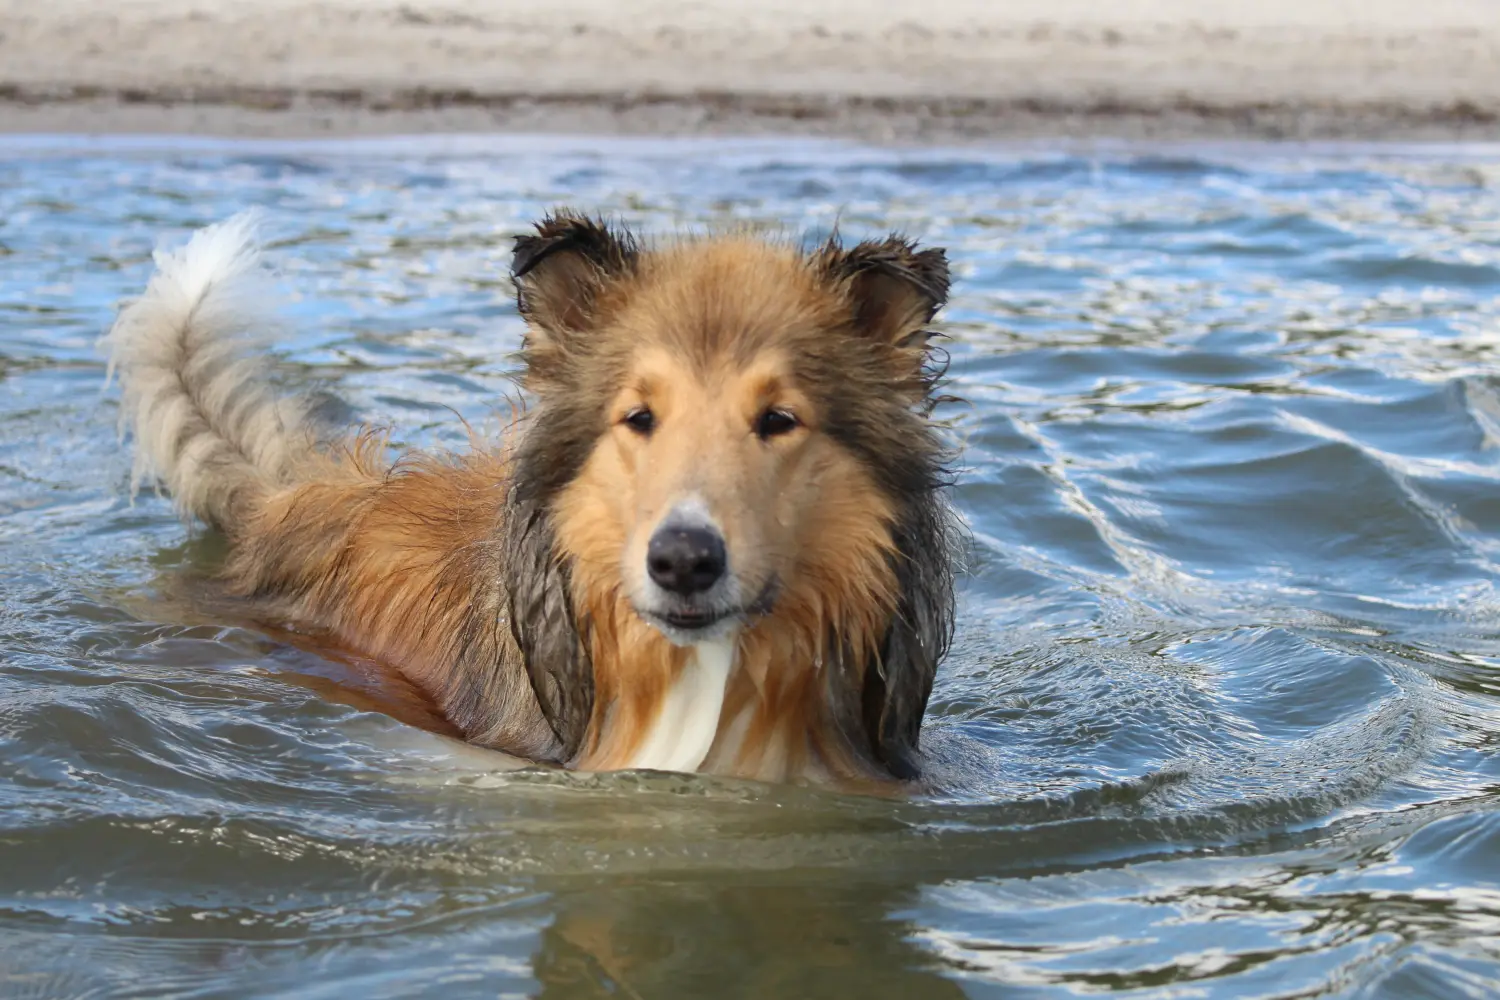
894, 289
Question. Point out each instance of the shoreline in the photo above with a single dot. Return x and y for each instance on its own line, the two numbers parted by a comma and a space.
824, 149
287, 114
894, 72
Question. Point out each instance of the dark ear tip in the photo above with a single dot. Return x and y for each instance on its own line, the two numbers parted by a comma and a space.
898, 256
565, 229
528, 250
932, 264
552, 232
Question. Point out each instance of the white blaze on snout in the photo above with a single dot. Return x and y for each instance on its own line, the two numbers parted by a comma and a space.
688, 718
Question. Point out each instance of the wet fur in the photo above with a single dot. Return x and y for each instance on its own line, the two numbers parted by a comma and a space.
492, 579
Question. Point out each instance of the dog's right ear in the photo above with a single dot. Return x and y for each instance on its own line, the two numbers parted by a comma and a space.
560, 274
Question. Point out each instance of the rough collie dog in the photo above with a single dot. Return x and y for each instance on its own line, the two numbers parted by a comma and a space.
716, 539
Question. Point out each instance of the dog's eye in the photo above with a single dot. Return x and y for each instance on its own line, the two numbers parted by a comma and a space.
773, 423
641, 420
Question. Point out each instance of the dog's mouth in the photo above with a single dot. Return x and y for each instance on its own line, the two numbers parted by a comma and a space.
686, 623
687, 626
690, 620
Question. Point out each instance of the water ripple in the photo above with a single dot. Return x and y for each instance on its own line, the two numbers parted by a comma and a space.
1221, 715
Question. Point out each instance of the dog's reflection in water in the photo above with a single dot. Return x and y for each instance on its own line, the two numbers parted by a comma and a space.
662, 937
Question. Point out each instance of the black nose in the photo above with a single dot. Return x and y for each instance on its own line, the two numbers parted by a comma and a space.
685, 561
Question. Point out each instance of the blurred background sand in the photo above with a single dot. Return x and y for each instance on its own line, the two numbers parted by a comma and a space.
904, 71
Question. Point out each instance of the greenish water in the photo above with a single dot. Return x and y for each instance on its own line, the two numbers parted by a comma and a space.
1221, 719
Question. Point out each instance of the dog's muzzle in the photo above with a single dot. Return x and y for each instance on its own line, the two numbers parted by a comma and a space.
691, 595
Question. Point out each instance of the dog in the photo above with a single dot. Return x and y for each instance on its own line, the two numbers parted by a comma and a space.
715, 538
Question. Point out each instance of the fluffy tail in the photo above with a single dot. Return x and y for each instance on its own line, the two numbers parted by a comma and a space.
196, 393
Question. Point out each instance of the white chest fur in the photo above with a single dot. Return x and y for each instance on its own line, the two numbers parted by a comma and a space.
688, 719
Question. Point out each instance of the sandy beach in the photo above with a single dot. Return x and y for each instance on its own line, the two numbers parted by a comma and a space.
892, 71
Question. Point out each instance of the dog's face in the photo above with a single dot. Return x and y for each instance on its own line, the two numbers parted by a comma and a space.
718, 415
715, 486
731, 443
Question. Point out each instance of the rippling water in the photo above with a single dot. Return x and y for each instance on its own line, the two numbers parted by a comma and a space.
1221, 719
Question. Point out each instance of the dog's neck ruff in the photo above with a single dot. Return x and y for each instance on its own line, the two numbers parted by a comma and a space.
680, 736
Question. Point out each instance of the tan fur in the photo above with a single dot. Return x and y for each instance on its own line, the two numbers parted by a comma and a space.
405, 562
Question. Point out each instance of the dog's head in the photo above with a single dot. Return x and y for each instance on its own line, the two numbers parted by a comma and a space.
732, 435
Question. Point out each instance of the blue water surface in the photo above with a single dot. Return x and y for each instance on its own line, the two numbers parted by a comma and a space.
1221, 719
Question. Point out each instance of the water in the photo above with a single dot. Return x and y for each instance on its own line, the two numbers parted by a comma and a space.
1221, 719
